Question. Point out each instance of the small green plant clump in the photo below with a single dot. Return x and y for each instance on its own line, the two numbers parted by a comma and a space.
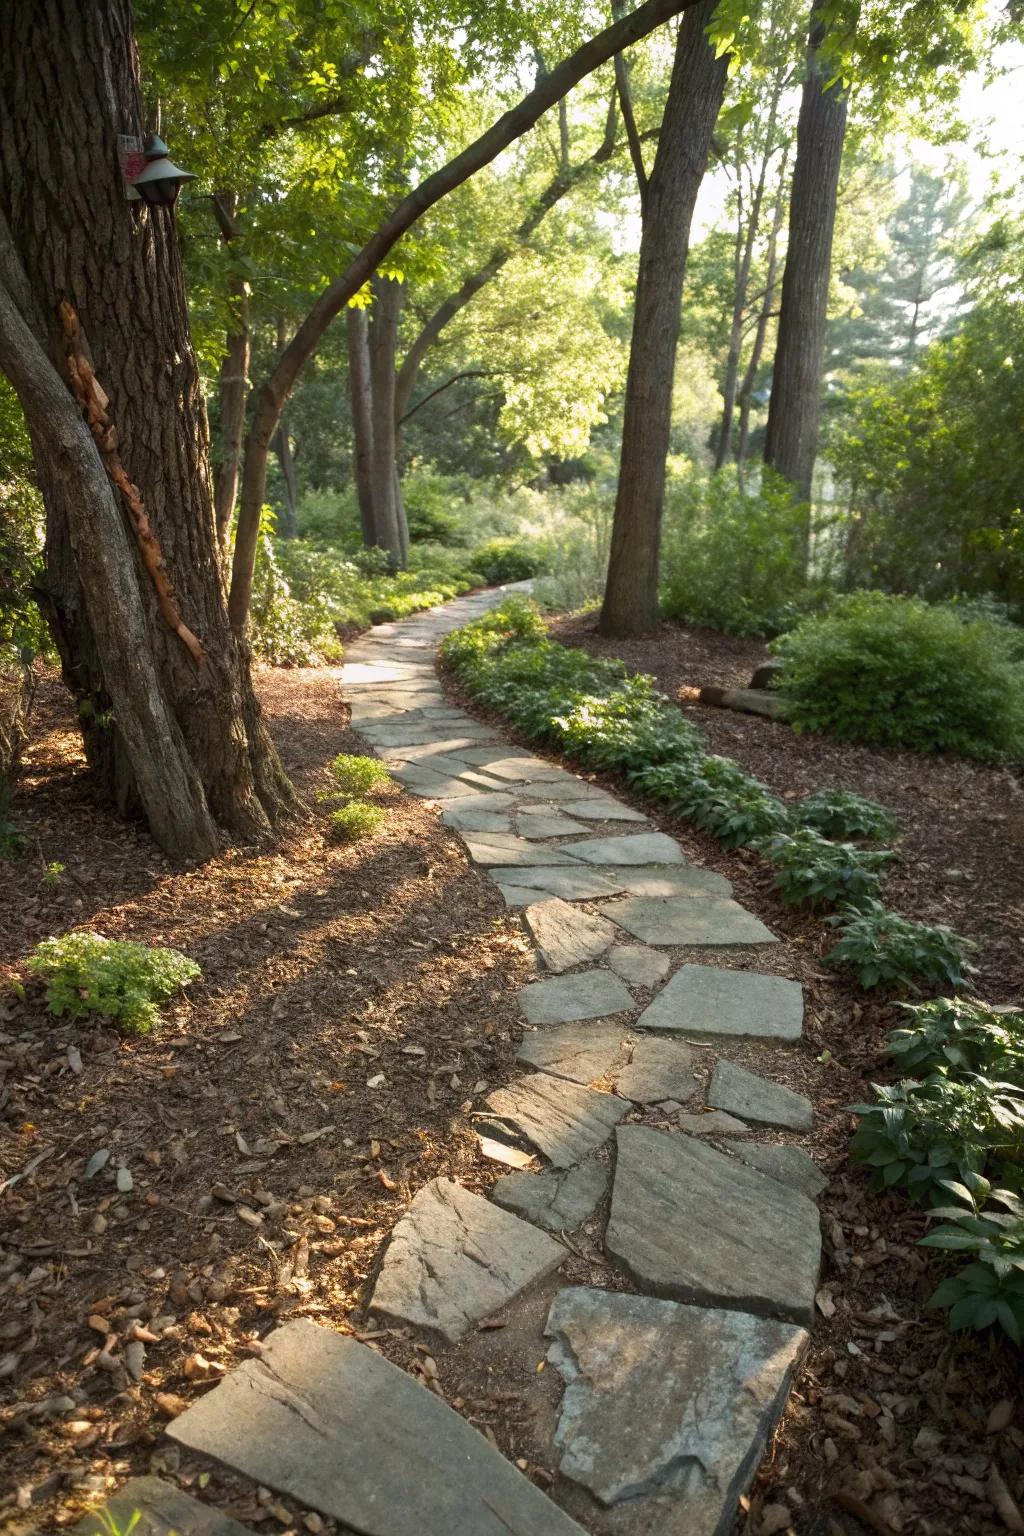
841, 813
354, 775
356, 820
882, 948
87, 974
811, 871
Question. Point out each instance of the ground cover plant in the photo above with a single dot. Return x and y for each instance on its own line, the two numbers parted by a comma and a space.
87, 975
591, 709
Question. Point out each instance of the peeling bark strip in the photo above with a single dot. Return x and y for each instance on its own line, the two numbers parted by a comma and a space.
93, 402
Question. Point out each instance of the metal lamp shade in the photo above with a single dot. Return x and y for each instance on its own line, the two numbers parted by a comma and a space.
160, 182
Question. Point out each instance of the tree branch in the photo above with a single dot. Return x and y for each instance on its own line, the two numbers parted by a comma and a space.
467, 373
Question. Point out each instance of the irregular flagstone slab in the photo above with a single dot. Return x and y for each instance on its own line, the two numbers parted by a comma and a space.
565, 936
712, 1123
560, 1198
453, 1259
475, 818
744, 1093
790, 1165
572, 883
582, 1053
667, 1403
658, 1070
631, 848
638, 964
603, 808
503, 849
422, 752
673, 880
710, 1000
546, 822
333, 1424
481, 756
583, 995
503, 1152
693, 1224
525, 769
567, 788
562, 1120
157, 1509
431, 786
701, 918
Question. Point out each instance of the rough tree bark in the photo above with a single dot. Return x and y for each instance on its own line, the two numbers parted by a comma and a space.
118, 265
791, 442
695, 96
274, 390
388, 511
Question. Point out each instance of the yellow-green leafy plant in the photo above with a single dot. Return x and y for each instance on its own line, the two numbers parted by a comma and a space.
87, 974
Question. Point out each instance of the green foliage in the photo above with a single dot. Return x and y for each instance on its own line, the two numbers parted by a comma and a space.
356, 820
842, 813
504, 560
919, 1135
86, 975
717, 796
990, 1290
355, 775
960, 1034
732, 559
811, 871
881, 948
52, 873
894, 672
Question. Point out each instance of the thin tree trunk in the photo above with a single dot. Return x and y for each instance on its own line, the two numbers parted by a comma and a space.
118, 265
234, 381
764, 315
360, 397
288, 527
695, 96
792, 438
274, 391
388, 513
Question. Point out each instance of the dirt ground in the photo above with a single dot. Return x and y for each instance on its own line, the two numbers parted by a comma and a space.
354, 1004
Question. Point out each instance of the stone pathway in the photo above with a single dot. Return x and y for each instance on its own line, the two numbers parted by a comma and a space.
670, 1395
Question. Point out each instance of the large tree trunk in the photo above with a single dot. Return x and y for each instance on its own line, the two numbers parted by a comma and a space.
360, 398
388, 511
791, 443
695, 96
118, 265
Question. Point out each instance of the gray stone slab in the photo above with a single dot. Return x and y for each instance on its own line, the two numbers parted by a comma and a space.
453, 1259
667, 1408
790, 1165
432, 786
659, 1069
333, 1424
711, 1000
475, 818
565, 936
744, 1093
701, 918
583, 995
157, 1509
693, 1224
560, 1199
422, 752
603, 808
480, 756
638, 964
525, 770
630, 848
712, 1122
562, 1120
582, 1053
673, 880
544, 821
496, 849
572, 882
564, 790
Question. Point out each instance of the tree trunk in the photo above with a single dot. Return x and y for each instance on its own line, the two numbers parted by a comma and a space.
388, 512
118, 265
288, 527
695, 96
233, 389
792, 439
764, 315
360, 397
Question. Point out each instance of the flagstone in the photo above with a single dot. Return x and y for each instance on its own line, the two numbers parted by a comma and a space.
711, 1000
582, 995
630, 848
659, 1069
546, 822
637, 964
147, 1506
505, 849
565, 936
562, 1120
789, 1164
572, 883
581, 1052
740, 1092
561, 1198
703, 918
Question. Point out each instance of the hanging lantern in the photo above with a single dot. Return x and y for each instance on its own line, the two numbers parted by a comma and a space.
149, 173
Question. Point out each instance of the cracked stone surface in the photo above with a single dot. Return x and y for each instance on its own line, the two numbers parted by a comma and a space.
561, 1119
659, 1070
565, 936
712, 1123
710, 1000
477, 817
582, 1053
559, 1199
744, 1093
572, 883
161, 1508
630, 848
453, 1259
602, 807
693, 1224
638, 964
790, 1165
583, 995
539, 822
703, 917
493, 849
667, 1404
333, 1424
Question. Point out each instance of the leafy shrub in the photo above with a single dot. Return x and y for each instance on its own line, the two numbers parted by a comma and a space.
841, 813
811, 871
963, 1035
355, 775
718, 797
733, 559
119, 980
991, 1289
505, 560
880, 947
894, 672
356, 820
